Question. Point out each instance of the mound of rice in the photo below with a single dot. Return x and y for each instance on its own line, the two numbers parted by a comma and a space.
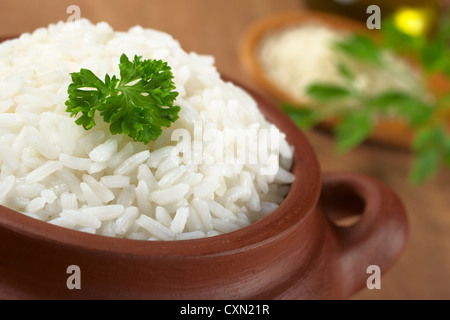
53, 170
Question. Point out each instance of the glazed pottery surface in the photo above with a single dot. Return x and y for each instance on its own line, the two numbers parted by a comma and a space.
296, 252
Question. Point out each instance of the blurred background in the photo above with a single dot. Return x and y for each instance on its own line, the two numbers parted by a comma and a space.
216, 28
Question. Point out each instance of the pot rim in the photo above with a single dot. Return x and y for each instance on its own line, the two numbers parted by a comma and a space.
301, 199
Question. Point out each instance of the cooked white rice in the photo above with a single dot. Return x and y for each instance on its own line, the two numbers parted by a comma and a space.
53, 170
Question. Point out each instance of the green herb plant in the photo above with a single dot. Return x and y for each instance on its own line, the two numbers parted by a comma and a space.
138, 104
431, 141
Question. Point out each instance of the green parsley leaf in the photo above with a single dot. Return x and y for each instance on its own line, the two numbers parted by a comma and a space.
395, 39
345, 72
447, 151
304, 118
360, 47
414, 109
353, 129
435, 54
431, 145
430, 137
328, 92
425, 165
138, 104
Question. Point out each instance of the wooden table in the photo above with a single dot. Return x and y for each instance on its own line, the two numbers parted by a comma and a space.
215, 27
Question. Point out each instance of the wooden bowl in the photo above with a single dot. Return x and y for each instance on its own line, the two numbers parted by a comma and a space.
297, 252
389, 132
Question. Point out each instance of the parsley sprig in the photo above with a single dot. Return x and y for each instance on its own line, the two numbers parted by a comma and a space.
427, 117
138, 104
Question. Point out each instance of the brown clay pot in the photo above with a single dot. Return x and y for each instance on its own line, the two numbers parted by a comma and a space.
297, 252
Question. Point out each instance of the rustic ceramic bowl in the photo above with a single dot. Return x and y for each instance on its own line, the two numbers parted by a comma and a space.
297, 252
391, 132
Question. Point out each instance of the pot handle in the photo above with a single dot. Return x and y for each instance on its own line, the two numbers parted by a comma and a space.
379, 235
